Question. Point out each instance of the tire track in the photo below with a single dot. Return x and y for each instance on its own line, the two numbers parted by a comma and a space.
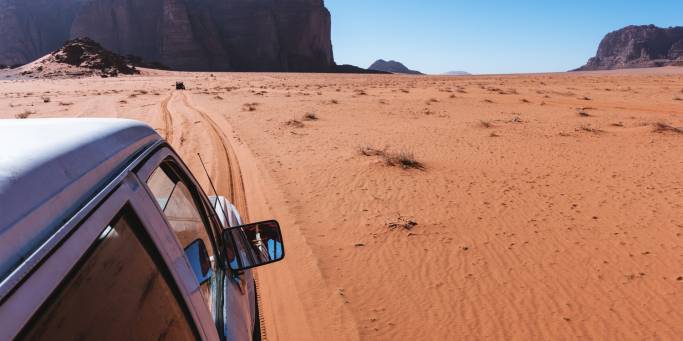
237, 192
167, 118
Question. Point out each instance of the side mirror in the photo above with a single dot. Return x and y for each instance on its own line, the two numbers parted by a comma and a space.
254, 245
199, 260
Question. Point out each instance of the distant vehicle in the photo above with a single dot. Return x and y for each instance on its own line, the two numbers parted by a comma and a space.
105, 234
179, 86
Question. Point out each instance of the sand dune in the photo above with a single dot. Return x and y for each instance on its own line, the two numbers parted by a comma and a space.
550, 206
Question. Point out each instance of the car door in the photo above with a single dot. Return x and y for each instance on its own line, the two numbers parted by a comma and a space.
118, 275
228, 295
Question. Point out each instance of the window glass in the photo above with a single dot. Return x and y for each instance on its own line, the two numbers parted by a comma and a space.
117, 293
178, 205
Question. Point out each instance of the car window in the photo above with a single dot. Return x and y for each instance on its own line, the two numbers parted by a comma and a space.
116, 293
178, 205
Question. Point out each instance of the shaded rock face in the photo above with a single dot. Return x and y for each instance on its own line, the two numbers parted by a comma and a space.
30, 29
216, 35
638, 46
392, 66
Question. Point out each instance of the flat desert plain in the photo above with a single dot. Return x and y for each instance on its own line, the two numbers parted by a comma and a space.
543, 206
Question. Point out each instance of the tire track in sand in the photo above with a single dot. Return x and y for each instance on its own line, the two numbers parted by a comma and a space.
237, 191
167, 118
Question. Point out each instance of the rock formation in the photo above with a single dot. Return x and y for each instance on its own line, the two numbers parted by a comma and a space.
78, 58
392, 66
216, 35
637, 47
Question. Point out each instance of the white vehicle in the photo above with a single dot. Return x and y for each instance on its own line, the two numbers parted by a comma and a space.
106, 235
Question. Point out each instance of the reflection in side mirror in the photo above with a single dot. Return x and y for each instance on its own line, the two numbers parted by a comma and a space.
199, 260
254, 245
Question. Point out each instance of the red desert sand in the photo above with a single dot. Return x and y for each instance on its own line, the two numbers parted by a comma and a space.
521, 207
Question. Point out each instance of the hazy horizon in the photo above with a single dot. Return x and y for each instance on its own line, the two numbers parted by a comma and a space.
491, 38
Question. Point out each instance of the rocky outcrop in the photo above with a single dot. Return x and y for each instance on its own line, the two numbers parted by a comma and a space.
216, 35
392, 66
80, 57
638, 46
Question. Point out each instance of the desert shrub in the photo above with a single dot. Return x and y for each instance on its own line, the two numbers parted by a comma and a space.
403, 159
663, 127
25, 114
370, 151
249, 106
310, 116
294, 123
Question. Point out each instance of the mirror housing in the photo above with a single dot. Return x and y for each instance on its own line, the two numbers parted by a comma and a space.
253, 245
199, 260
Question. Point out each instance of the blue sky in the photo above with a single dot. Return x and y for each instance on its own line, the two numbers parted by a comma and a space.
436, 36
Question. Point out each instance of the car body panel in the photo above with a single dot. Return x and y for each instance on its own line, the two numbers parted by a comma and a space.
88, 174
48, 177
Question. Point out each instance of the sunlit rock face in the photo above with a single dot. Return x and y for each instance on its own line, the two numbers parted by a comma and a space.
216, 35
638, 46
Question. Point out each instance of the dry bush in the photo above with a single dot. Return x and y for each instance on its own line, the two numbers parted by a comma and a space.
676, 98
584, 114
487, 101
294, 123
371, 151
432, 100
334, 101
249, 106
524, 100
403, 159
663, 127
218, 97
402, 222
590, 129
25, 114
46, 99
65, 104
143, 92
310, 116
123, 101
485, 124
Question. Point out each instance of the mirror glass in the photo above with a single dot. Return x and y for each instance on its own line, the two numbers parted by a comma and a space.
199, 260
254, 245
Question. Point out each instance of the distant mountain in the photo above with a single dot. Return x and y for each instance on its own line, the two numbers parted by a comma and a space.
638, 47
457, 73
392, 66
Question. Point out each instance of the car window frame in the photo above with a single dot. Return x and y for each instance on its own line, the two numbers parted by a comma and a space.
166, 155
167, 166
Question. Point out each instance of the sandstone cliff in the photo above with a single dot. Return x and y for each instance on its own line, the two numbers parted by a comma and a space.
638, 46
216, 35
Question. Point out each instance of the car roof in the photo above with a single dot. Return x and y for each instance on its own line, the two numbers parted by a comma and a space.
50, 168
